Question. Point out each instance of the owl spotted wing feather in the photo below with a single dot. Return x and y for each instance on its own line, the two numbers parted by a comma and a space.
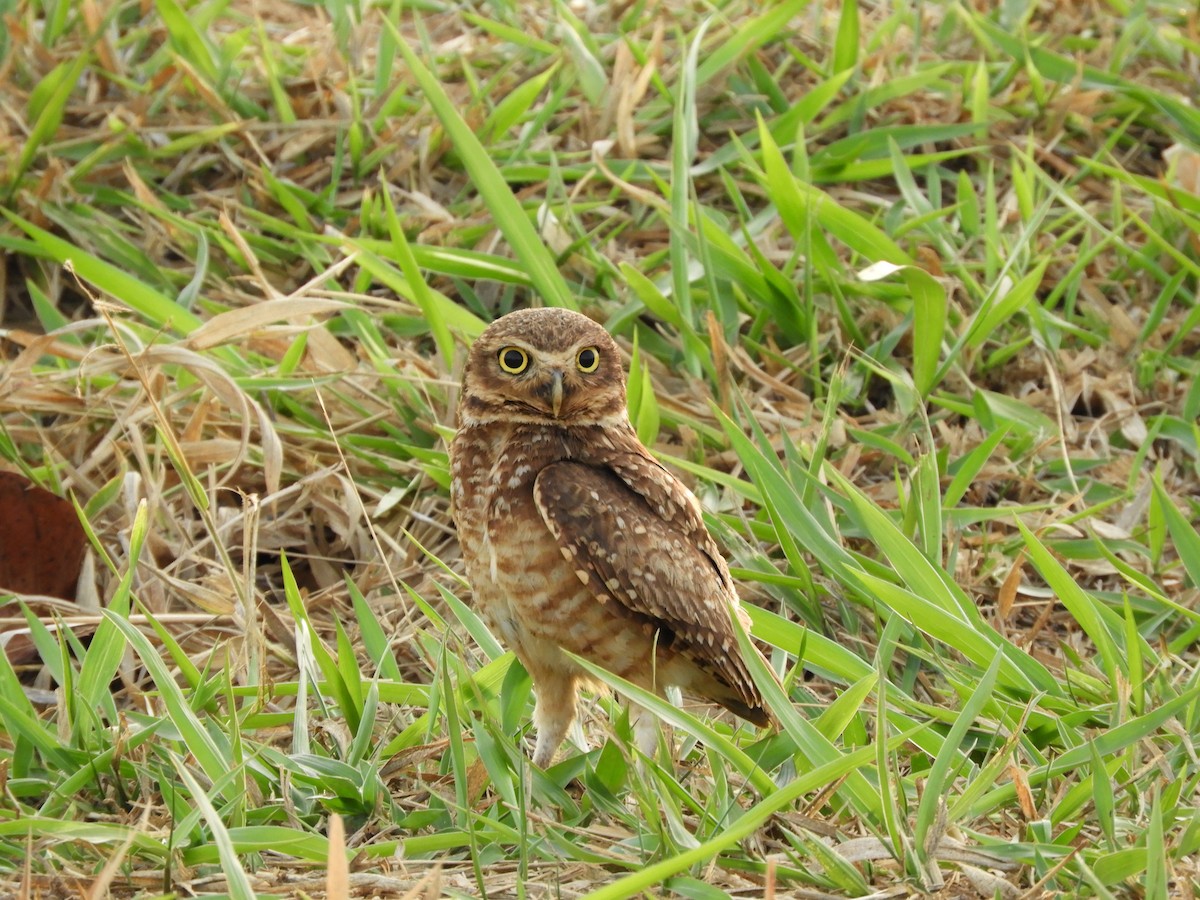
667, 572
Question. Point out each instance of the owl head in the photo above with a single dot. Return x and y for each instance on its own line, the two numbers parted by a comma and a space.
549, 366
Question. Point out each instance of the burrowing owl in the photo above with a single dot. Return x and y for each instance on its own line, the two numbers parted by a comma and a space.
575, 537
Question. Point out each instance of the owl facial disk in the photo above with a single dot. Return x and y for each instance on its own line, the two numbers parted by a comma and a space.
543, 365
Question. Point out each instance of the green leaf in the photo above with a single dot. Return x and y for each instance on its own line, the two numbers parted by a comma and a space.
849, 703
580, 45
929, 319
747, 37
1083, 607
815, 748
780, 799
938, 782
1103, 798
107, 647
1000, 307
238, 882
1187, 540
515, 104
456, 317
965, 470
654, 299
47, 103
685, 135
187, 40
799, 204
327, 664
430, 303
510, 217
161, 310
643, 406
199, 744
845, 44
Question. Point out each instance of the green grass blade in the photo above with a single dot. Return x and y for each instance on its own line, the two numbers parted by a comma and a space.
938, 782
160, 310
1186, 538
107, 647
929, 319
231, 867
685, 134
800, 203
196, 739
506, 210
654, 874
431, 306
48, 102
748, 37
684, 721
845, 43
1083, 608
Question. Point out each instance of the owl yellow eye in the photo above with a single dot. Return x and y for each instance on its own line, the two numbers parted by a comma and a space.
513, 360
588, 359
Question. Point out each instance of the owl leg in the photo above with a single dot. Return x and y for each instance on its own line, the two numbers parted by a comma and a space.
553, 715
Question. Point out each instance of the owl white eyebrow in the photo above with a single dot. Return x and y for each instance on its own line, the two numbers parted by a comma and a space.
566, 360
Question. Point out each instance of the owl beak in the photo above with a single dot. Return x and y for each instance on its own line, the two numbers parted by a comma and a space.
556, 391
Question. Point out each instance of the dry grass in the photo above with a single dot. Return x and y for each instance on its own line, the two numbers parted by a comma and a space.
245, 247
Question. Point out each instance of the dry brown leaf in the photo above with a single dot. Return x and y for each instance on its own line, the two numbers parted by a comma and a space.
1122, 329
41, 541
193, 431
631, 91
325, 353
223, 386
231, 231
244, 322
1024, 795
930, 261
1082, 103
614, 115
337, 869
1110, 531
1183, 163
1008, 589
989, 885
1132, 425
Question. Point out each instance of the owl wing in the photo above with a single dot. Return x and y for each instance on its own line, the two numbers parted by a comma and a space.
636, 538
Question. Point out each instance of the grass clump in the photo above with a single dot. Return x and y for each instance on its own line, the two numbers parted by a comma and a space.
910, 298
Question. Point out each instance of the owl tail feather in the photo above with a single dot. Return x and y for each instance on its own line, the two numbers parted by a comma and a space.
756, 714
740, 695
